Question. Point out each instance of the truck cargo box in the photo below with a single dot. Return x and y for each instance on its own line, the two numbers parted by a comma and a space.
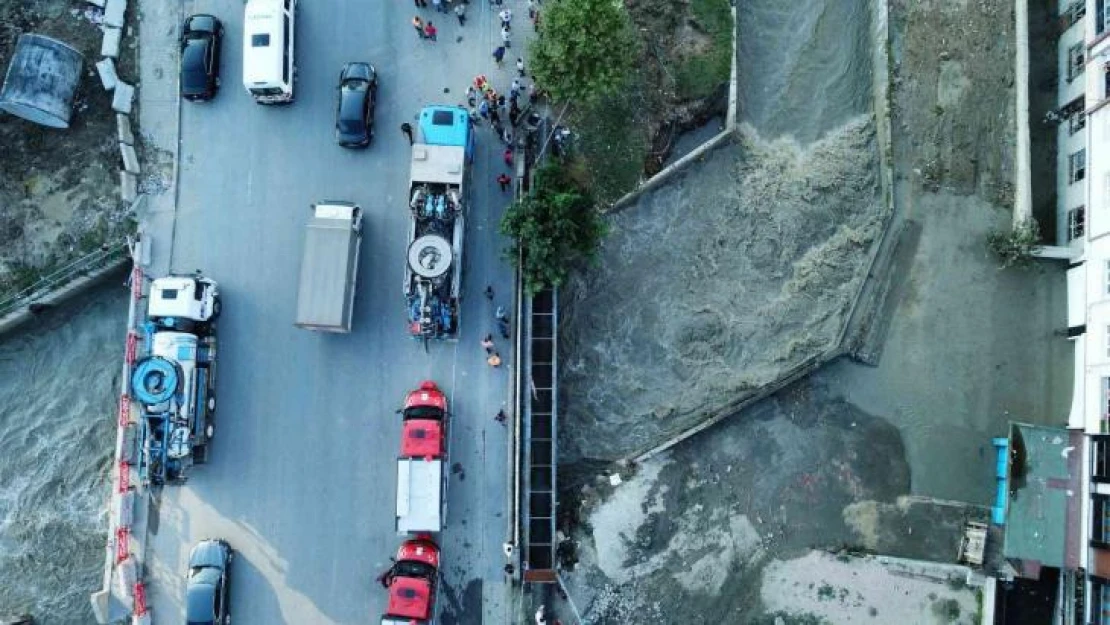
329, 267
419, 495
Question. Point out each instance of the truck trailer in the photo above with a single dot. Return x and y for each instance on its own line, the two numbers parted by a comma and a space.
439, 186
421, 467
174, 383
329, 267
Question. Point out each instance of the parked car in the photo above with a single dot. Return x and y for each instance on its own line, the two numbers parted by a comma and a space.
206, 590
354, 111
200, 57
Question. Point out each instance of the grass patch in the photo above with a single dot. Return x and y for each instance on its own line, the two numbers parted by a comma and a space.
697, 76
612, 143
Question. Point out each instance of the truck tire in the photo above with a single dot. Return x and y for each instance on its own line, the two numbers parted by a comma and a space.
211, 405
210, 431
217, 308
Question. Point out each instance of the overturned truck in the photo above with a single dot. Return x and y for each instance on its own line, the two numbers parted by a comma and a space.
438, 189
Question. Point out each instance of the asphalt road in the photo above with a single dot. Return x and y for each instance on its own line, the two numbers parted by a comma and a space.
301, 478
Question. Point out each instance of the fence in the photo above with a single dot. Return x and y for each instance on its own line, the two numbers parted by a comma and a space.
108, 255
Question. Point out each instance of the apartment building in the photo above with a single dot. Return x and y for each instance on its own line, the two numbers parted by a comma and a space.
1083, 220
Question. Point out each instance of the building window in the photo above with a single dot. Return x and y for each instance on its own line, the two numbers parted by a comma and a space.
1106, 81
1100, 451
1100, 602
1077, 166
1077, 219
1077, 55
1102, 16
1077, 121
1108, 277
1076, 11
1100, 520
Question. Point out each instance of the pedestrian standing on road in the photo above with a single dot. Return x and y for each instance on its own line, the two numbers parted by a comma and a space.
541, 617
483, 109
487, 344
533, 94
505, 37
514, 88
406, 129
471, 96
419, 3
494, 360
504, 181
499, 54
494, 117
531, 9
438, 5
460, 12
430, 30
500, 416
506, 16
520, 66
507, 135
489, 292
514, 112
503, 328
536, 21
508, 156
509, 569
418, 24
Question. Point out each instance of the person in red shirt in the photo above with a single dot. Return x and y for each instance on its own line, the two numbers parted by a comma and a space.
430, 31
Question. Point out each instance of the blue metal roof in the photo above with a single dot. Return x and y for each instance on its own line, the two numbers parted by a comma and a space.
445, 125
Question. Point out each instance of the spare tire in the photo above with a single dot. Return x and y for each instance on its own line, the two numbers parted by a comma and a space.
155, 380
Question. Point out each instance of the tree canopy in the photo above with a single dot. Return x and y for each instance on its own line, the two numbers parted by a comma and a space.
585, 49
551, 229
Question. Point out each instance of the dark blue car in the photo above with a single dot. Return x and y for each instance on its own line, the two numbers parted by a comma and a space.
206, 590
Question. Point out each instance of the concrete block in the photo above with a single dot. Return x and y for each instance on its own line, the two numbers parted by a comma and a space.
109, 45
122, 98
123, 129
113, 13
106, 68
128, 186
130, 159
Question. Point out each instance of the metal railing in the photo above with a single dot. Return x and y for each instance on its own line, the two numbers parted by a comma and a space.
83, 266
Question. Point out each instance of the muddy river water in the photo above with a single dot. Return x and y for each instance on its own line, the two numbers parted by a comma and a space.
59, 378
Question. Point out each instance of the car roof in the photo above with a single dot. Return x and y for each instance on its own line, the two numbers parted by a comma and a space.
358, 69
202, 22
199, 599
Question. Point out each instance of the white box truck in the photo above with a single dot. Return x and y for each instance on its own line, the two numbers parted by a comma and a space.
329, 267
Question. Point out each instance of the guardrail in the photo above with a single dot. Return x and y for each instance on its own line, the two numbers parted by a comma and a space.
93, 261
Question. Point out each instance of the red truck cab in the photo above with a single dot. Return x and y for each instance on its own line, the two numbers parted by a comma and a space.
413, 582
424, 421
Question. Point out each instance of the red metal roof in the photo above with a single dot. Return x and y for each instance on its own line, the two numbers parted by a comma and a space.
422, 438
410, 597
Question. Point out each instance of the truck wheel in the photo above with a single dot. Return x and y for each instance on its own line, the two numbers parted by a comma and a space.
217, 308
210, 431
211, 408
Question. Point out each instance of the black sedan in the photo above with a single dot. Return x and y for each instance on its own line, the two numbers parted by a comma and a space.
200, 57
206, 596
354, 112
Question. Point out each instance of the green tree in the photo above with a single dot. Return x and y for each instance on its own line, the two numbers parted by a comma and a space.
585, 49
551, 229
1017, 247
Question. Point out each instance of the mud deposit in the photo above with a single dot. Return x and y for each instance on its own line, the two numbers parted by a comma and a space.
59, 189
691, 531
58, 386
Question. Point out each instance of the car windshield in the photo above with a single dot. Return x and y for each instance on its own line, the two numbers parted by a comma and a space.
192, 65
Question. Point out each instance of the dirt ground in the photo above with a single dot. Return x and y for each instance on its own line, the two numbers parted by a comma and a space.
59, 189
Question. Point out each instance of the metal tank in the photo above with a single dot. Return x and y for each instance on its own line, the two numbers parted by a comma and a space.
41, 81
